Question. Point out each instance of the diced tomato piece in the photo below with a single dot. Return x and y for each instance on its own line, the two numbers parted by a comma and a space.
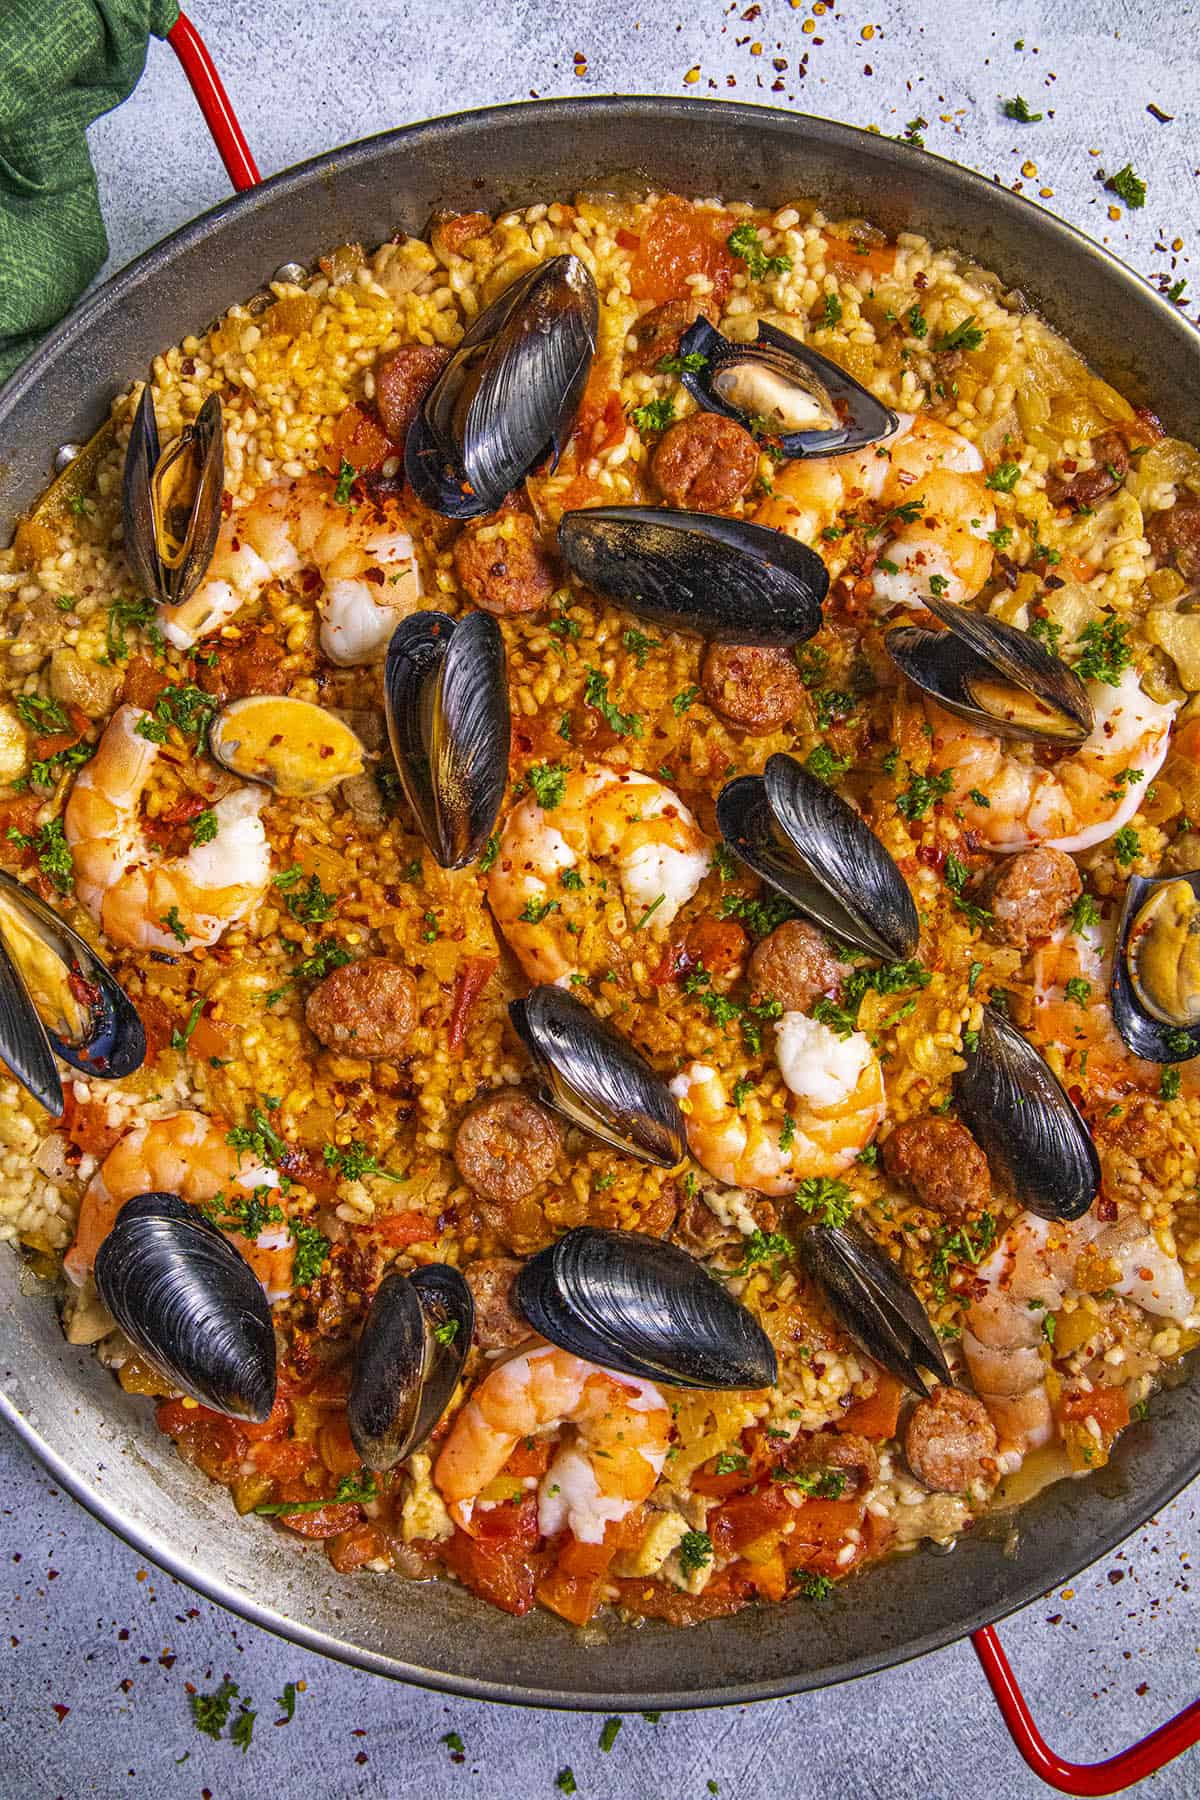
284, 1459
209, 1039
531, 1457
746, 1517
360, 440
727, 1592
503, 1573
407, 1228
335, 1447
512, 1522
144, 684
878, 1415
327, 1522
821, 1537
679, 241
276, 1422
573, 1597
350, 1549
720, 944
85, 1124
215, 1444
876, 259
628, 240
18, 813
769, 1577
157, 1024
473, 977
1109, 1406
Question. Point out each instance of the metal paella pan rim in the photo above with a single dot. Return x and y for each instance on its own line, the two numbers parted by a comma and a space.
101, 1444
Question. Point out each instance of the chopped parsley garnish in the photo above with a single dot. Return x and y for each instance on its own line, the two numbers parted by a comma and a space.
691, 364
595, 694
570, 878
138, 614
695, 1550
286, 1702
824, 764
1084, 912
918, 324
978, 796
354, 1160
259, 1137
913, 131
828, 1199
956, 878
242, 1729
1004, 477
969, 1244
534, 911
743, 1086
965, 336
42, 715
250, 1215
491, 851
654, 415
813, 1587
833, 310
52, 851
175, 924
731, 1462
204, 826
453, 1743
329, 954
745, 242
1001, 538
831, 704
185, 706
347, 476
761, 916
352, 1490
549, 783
447, 1332
307, 901
1169, 1084
637, 643
211, 1711
1128, 187
1127, 846
181, 1038
762, 1246
683, 700
787, 1132
938, 585
1018, 109
818, 1484
608, 1735
921, 793
650, 910
565, 1782
1078, 990
564, 627
1105, 650
1046, 632
311, 1249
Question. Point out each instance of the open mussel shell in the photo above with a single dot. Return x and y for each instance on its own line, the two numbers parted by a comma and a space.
171, 500
57, 999
595, 1077
1156, 968
994, 675
811, 846
290, 745
871, 1298
446, 700
643, 1307
1034, 1138
191, 1303
509, 394
728, 580
408, 1361
799, 397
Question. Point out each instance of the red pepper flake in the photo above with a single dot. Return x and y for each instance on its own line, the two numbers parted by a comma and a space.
62, 1711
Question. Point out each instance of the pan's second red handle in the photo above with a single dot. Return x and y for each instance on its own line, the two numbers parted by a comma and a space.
1111, 1777
214, 103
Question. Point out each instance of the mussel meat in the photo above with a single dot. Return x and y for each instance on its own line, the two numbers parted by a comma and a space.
58, 999
293, 746
871, 1298
171, 500
191, 1303
595, 1077
643, 1307
408, 1361
810, 844
994, 675
446, 698
1156, 968
728, 580
1031, 1133
509, 394
805, 401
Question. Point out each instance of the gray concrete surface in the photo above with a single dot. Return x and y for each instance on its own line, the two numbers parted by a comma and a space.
97, 1651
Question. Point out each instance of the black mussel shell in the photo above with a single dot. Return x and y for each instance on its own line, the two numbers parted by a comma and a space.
509, 394
726, 579
101, 1034
994, 675
171, 500
809, 844
446, 700
595, 1077
1032, 1135
191, 1303
408, 1361
1154, 986
643, 1307
851, 417
873, 1301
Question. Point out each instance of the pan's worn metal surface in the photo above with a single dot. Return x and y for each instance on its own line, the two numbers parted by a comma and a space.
100, 1443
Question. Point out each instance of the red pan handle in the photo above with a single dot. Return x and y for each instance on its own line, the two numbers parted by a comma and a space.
219, 115
1169, 1740
1119, 1772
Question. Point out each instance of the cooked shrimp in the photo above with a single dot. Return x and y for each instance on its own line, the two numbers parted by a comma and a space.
839, 1083
185, 1153
1027, 1276
660, 853
621, 1428
178, 902
1074, 802
365, 561
925, 462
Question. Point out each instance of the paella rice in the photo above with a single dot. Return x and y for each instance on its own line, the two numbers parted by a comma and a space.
332, 1074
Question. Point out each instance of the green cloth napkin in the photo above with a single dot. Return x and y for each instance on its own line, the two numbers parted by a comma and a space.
62, 64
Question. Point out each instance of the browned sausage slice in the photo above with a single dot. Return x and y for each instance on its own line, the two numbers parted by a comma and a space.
949, 1441
498, 1324
851, 1456
506, 1145
1027, 895
795, 964
657, 333
367, 1008
1174, 537
502, 564
941, 1162
705, 462
751, 685
402, 381
1110, 456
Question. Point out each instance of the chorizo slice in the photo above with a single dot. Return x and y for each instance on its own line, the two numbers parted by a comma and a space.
657, 333
499, 1325
1110, 457
1027, 895
1174, 537
941, 1162
848, 1454
795, 964
949, 1441
752, 686
505, 1147
251, 664
402, 381
366, 1008
705, 462
502, 564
